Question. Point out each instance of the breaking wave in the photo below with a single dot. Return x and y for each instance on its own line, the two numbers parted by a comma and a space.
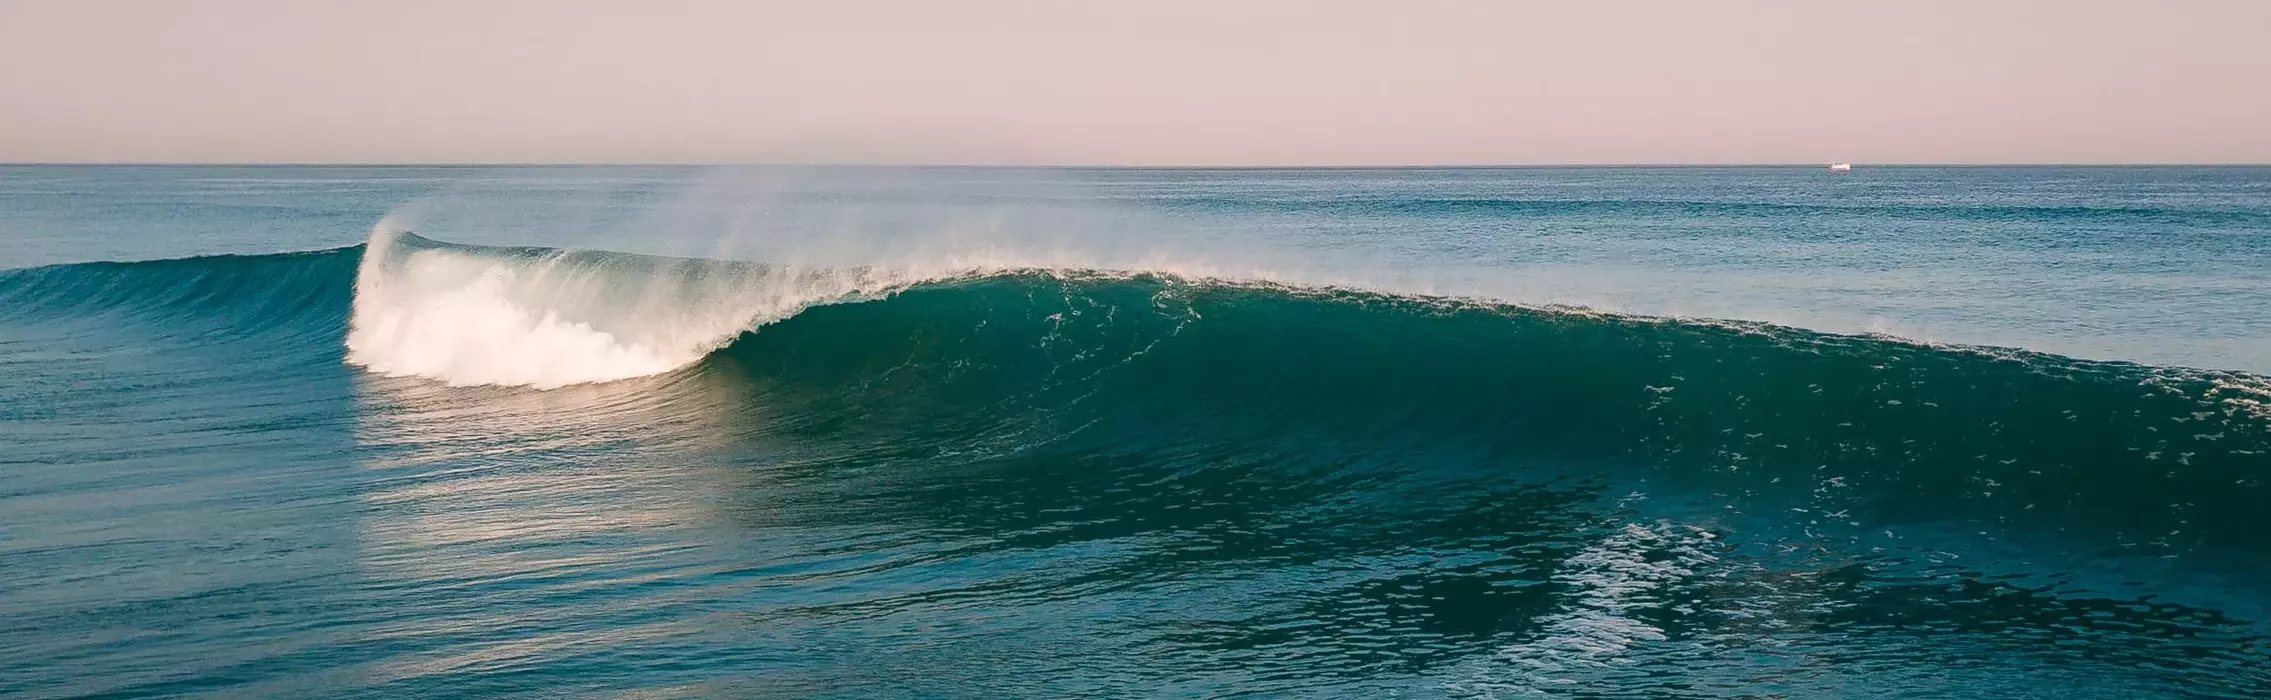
1752, 440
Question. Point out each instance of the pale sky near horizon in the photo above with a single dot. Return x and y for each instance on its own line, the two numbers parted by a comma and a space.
1163, 82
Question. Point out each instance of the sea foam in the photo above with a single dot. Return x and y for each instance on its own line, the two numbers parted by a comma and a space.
469, 315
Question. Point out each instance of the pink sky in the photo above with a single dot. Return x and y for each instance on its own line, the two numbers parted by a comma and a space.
1174, 82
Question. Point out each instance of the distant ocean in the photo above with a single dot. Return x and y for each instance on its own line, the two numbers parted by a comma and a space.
658, 432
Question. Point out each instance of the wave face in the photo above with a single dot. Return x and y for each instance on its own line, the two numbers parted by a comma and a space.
1753, 411
1181, 483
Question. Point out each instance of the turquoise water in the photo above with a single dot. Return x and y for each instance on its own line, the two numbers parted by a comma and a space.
848, 432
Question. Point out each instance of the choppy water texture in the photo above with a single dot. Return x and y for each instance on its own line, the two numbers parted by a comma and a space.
657, 432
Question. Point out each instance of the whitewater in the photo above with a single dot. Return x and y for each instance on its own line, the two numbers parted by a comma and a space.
668, 432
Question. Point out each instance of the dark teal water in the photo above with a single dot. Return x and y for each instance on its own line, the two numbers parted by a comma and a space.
656, 432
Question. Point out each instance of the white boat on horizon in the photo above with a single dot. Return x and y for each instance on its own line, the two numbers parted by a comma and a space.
1840, 167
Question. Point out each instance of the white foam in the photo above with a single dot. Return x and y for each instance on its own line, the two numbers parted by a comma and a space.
1610, 583
471, 334
473, 316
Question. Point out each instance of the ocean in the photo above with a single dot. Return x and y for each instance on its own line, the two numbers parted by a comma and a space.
865, 432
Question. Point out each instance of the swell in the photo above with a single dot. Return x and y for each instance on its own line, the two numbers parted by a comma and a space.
1841, 429
279, 293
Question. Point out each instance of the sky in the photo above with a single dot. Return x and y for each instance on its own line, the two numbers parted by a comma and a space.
1155, 82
